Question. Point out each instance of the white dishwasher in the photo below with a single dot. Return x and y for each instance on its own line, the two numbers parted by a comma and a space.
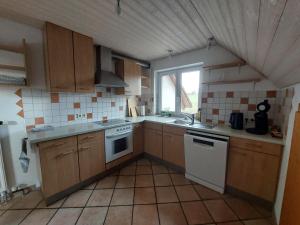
206, 159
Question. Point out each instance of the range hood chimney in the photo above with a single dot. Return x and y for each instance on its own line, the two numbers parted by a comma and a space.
104, 75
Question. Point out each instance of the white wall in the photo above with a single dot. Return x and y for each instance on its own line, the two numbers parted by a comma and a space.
12, 34
286, 154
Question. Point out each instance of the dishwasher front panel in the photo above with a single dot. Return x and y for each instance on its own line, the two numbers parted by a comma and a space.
206, 160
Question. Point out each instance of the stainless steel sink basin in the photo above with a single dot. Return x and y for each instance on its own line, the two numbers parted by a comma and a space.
180, 122
195, 125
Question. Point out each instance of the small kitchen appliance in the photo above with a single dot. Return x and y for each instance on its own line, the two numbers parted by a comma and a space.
261, 119
237, 120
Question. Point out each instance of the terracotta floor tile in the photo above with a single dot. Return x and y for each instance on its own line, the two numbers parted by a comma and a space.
162, 180
119, 215
107, 182
242, 209
66, 216
257, 222
77, 199
173, 171
171, 214
122, 197
10, 203
128, 170
186, 193
231, 223
159, 169
1, 212
92, 216
144, 169
90, 187
39, 217
100, 197
13, 217
125, 182
179, 179
206, 193
145, 214
55, 205
166, 194
29, 201
263, 211
143, 162
196, 213
115, 173
220, 211
144, 181
144, 195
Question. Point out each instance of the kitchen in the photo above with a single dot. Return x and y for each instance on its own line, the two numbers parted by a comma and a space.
149, 112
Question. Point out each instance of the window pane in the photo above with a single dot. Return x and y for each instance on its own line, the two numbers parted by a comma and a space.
190, 91
168, 92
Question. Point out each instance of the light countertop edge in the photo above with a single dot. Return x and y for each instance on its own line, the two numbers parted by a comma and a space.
82, 128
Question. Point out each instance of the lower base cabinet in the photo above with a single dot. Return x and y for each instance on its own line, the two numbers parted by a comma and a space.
253, 167
68, 161
91, 154
173, 145
153, 140
138, 139
59, 165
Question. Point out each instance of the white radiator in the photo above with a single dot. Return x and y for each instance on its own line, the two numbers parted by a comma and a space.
3, 182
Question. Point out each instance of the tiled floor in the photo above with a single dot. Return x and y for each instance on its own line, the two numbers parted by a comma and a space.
141, 193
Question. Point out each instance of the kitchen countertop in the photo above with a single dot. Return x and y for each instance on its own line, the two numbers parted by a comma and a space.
76, 129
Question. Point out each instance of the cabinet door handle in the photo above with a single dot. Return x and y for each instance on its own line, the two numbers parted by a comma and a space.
56, 145
63, 155
84, 149
88, 137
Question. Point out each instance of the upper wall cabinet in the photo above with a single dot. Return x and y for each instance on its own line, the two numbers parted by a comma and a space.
130, 72
84, 63
69, 60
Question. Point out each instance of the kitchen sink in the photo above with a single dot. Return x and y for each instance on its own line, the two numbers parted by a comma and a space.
180, 122
195, 125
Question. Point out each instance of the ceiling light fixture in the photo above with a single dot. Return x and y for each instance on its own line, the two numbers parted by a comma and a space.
118, 7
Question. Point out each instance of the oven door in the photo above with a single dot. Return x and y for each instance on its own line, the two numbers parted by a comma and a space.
118, 145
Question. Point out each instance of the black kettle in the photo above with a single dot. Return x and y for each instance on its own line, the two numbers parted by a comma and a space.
237, 120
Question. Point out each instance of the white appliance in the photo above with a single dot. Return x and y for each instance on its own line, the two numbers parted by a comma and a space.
206, 159
118, 142
3, 182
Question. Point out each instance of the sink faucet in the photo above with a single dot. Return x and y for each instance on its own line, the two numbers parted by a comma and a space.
189, 116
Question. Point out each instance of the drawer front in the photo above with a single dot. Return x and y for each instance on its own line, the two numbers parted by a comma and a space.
174, 130
91, 138
256, 146
62, 144
153, 126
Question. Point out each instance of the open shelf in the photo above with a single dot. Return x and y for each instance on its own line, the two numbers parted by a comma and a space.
10, 67
225, 65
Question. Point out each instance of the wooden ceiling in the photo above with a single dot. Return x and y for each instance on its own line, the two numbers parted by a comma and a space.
265, 33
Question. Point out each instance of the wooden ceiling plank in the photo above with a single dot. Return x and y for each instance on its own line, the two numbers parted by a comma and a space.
270, 14
251, 15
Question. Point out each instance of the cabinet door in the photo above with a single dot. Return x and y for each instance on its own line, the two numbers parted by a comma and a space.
153, 142
59, 165
254, 173
173, 149
91, 154
59, 58
138, 139
84, 63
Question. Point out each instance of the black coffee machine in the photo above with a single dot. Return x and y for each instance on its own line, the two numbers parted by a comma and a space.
261, 119
237, 120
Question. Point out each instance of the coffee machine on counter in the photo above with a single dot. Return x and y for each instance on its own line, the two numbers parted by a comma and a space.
261, 119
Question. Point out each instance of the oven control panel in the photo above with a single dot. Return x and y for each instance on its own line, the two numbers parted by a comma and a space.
120, 129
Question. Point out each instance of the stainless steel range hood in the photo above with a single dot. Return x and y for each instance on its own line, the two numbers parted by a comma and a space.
104, 75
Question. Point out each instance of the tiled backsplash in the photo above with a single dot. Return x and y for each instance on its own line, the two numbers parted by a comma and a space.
58, 109
217, 106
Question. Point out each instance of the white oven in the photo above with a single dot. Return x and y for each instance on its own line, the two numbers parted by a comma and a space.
118, 142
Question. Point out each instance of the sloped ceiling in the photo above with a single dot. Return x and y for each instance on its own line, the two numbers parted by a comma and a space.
265, 33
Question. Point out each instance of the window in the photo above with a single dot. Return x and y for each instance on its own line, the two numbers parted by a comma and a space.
178, 90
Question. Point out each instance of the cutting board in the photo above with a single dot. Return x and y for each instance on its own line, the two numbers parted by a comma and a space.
132, 103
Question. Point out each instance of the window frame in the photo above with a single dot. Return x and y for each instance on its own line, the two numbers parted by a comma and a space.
178, 74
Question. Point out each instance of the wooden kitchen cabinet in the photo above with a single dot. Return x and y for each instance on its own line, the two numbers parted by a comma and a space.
69, 60
253, 167
131, 73
153, 139
84, 63
59, 165
91, 154
138, 139
59, 58
173, 145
